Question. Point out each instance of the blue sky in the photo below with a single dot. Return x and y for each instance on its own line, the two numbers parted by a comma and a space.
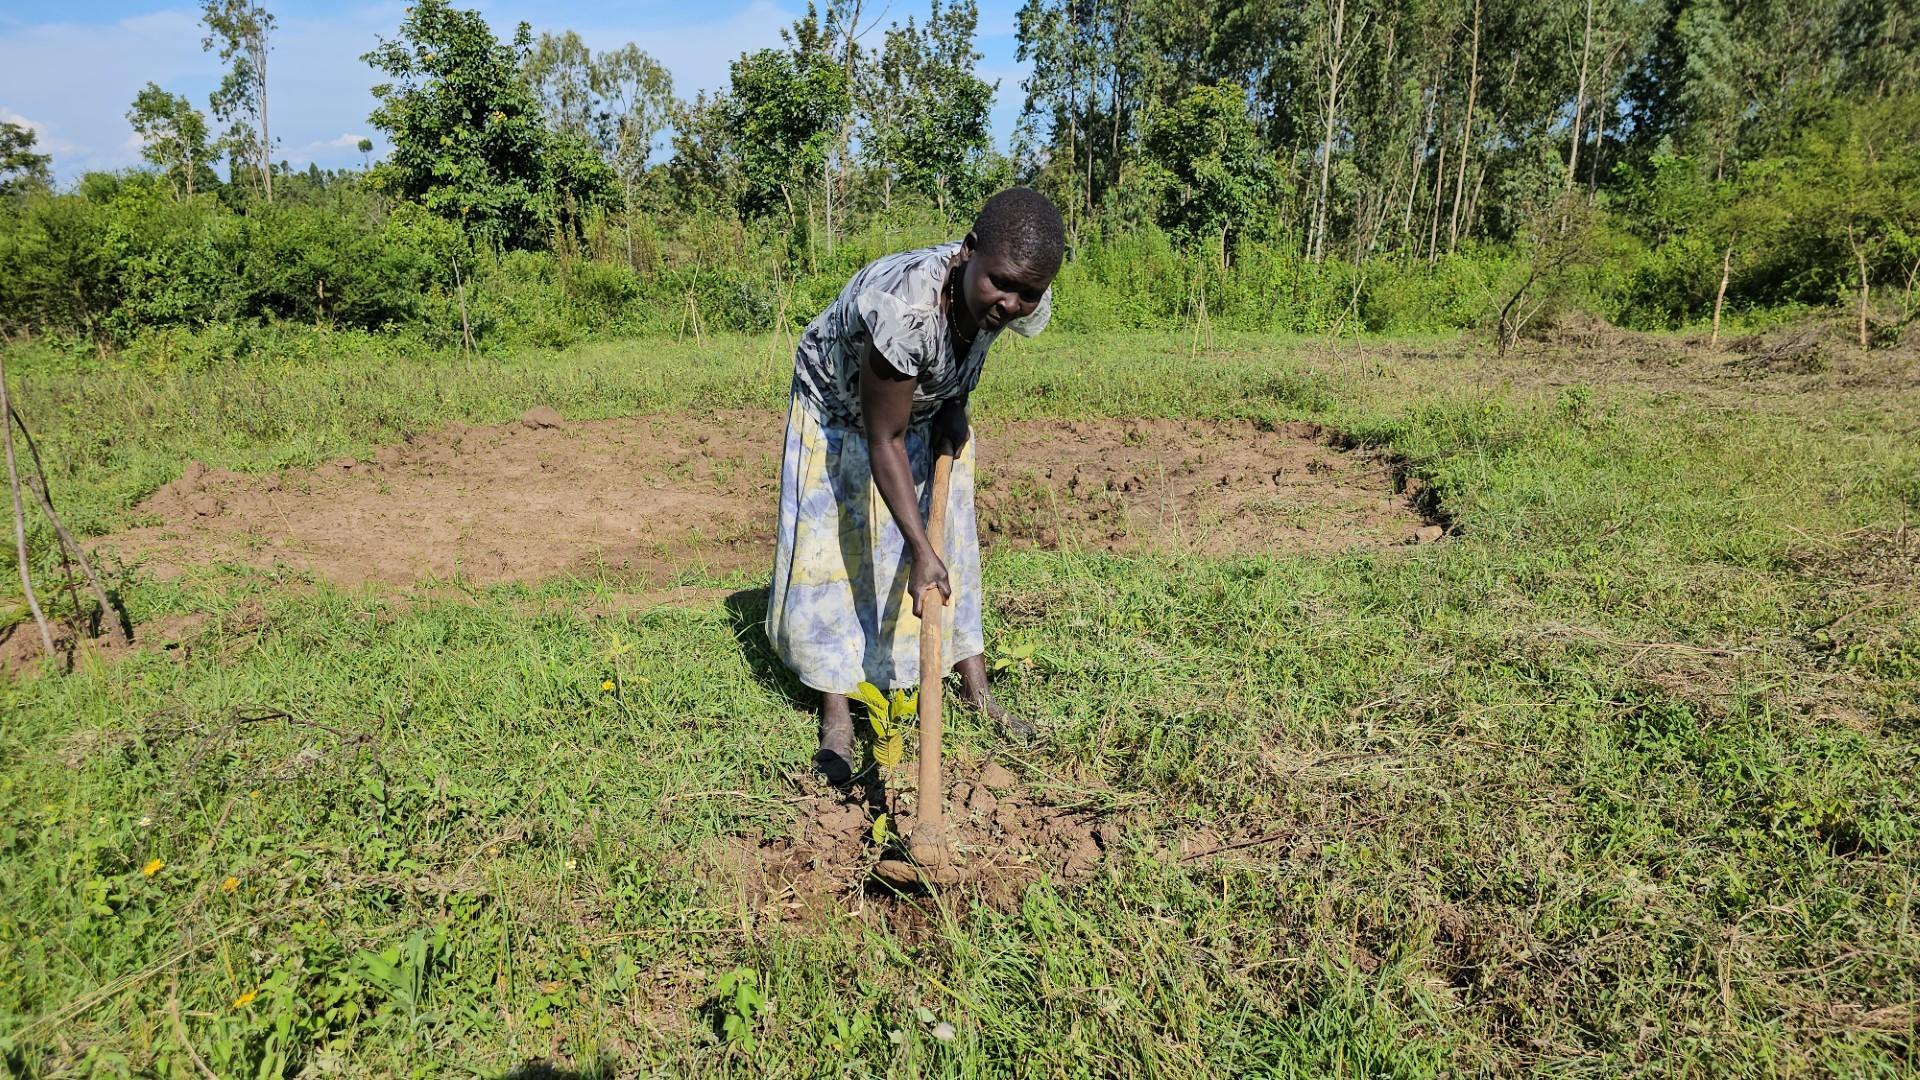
70, 69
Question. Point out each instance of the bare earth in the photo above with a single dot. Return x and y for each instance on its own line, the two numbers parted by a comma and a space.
664, 495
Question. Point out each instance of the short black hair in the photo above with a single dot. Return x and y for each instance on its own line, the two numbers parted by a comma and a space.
1023, 226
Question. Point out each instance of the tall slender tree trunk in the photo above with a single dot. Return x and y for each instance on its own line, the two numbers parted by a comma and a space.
1866, 287
1335, 60
1720, 294
1439, 185
1599, 143
1579, 101
626, 212
1093, 72
1473, 200
266, 139
1603, 108
846, 122
1073, 120
20, 517
1419, 169
1114, 94
1466, 134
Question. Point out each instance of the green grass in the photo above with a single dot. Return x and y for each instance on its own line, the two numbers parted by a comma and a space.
1617, 780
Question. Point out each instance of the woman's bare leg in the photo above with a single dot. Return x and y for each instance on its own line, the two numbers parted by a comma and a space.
834, 759
973, 691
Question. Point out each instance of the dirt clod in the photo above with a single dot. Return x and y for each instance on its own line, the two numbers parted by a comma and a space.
995, 777
1427, 534
541, 416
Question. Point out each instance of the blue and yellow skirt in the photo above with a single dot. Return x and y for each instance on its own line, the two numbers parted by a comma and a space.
839, 614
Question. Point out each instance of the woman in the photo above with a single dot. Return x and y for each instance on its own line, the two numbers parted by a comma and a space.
880, 387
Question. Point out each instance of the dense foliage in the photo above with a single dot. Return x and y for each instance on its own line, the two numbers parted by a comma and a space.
1342, 165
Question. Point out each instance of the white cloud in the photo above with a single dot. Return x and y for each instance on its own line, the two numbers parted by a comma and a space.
43, 141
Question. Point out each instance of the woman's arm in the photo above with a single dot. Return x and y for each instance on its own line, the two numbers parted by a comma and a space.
886, 400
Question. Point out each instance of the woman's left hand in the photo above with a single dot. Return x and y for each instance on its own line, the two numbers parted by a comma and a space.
951, 428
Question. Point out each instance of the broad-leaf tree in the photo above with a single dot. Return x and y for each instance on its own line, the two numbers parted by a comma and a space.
173, 136
20, 166
927, 112
1215, 171
782, 116
468, 134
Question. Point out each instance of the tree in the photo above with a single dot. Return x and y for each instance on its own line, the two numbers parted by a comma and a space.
173, 136
634, 96
365, 146
20, 167
239, 29
1338, 37
927, 112
635, 92
1708, 94
1850, 192
620, 100
704, 170
1216, 172
783, 112
560, 67
467, 133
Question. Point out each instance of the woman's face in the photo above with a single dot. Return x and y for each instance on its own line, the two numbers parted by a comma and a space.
999, 289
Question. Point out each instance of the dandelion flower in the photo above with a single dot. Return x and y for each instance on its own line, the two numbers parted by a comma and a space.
245, 999
229, 885
607, 685
153, 867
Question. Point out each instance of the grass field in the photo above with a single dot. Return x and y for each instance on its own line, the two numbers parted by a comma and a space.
1619, 779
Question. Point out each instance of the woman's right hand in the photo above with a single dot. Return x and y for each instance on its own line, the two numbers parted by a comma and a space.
928, 573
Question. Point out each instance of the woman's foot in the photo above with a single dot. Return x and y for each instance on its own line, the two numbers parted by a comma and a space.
834, 760
974, 694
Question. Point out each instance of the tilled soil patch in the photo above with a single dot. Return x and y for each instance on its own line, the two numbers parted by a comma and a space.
1005, 837
660, 496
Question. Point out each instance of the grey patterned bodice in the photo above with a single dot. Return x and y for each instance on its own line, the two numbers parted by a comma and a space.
894, 302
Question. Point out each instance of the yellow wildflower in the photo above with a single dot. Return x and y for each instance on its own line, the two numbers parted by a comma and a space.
245, 999
229, 885
153, 867
607, 684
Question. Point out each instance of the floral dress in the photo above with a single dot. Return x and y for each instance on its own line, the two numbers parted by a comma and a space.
839, 613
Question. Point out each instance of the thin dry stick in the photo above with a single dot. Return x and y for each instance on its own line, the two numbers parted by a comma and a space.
466, 329
20, 516
37, 480
180, 1030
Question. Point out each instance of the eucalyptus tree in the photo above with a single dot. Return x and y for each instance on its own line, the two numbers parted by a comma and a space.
239, 30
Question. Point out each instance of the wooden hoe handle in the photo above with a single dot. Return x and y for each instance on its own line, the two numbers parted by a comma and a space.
933, 668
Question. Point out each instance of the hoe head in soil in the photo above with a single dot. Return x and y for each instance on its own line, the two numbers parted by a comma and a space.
928, 863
